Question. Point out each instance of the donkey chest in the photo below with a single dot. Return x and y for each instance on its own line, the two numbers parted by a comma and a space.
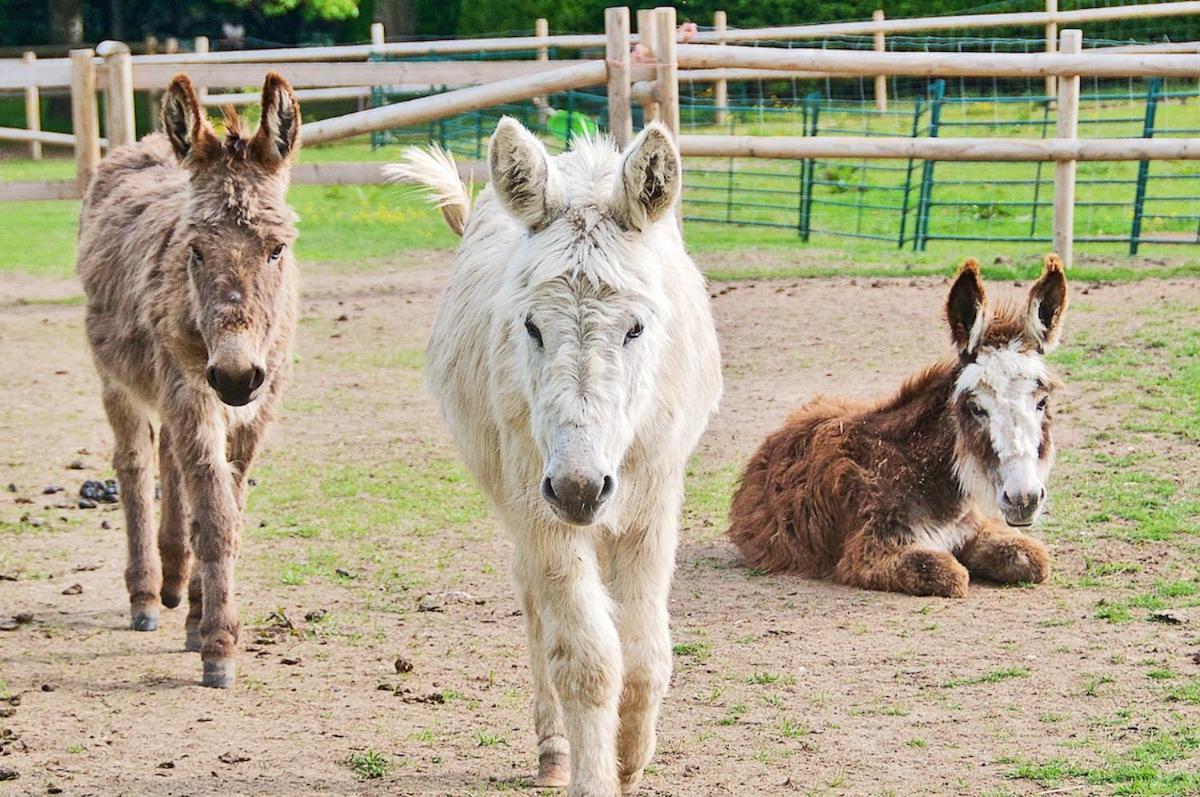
950, 535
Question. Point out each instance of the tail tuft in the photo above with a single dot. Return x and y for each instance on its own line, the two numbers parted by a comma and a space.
434, 168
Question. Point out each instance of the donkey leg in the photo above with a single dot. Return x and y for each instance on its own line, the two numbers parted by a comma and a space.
133, 460
215, 533
642, 562
1005, 556
582, 651
871, 563
554, 754
193, 641
173, 544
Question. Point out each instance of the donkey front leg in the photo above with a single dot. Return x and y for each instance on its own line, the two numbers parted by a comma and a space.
133, 460
559, 572
1004, 556
173, 544
872, 562
554, 754
641, 562
215, 536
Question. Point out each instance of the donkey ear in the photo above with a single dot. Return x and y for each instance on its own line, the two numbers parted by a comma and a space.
649, 182
524, 178
278, 135
966, 308
1047, 304
184, 119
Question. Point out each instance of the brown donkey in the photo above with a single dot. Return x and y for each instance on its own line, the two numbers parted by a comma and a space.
905, 495
185, 256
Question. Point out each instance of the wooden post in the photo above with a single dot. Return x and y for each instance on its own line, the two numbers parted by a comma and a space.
720, 88
1051, 46
668, 80
377, 36
84, 120
33, 108
620, 115
648, 40
880, 80
118, 101
541, 29
1064, 171
200, 47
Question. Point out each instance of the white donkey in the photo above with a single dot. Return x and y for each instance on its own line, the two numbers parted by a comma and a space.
576, 362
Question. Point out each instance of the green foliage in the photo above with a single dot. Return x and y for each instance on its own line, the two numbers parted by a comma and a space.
369, 765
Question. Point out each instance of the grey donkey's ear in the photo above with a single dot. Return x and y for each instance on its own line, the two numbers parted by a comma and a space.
278, 136
649, 182
524, 178
184, 120
966, 308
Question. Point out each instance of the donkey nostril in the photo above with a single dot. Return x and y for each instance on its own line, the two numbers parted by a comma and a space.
607, 489
257, 377
210, 374
548, 491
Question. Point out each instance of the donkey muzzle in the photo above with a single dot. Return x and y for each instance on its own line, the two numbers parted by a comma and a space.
1021, 508
576, 495
238, 385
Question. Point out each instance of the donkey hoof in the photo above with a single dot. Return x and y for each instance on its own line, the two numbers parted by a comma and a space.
193, 641
171, 599
554, 769
144, 621
219, 674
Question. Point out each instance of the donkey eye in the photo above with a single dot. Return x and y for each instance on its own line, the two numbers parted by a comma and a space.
276, 253
1041, 405
194, 256
977, 411
635, 332
533, 331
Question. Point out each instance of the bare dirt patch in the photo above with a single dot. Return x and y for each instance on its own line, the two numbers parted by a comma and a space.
382, 649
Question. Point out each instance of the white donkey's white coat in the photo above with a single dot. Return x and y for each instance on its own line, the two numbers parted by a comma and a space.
576, 332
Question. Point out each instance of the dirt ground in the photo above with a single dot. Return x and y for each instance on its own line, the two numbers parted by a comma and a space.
781, 685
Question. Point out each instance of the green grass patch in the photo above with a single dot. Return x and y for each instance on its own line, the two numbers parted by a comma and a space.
989, 677
1150, 768
370, 765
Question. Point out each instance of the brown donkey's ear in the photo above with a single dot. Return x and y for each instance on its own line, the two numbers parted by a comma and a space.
184, 119
966, 308
1047, 304
278, 135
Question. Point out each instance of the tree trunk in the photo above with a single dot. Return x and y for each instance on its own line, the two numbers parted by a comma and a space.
397, 16
66, 21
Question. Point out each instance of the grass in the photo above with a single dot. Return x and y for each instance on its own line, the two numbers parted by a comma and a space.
1147, 769
989, 677
370, 765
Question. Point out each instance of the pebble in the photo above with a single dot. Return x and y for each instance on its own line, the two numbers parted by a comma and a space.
74, 589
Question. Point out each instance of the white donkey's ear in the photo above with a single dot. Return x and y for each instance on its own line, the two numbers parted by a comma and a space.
650, 178
1047, 304
522, 174
966, 308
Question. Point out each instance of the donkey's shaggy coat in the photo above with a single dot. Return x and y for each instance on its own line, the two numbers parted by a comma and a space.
576, 363
185, 256
902, 494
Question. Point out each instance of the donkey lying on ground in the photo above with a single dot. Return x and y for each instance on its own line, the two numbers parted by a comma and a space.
576, 362
902, 495
185, 255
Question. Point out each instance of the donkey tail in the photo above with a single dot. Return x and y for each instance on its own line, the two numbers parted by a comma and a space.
434, 168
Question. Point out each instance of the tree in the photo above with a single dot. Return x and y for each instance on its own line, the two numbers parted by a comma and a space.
66, 21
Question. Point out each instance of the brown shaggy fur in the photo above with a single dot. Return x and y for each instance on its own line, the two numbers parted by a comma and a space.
867, 494
184, 253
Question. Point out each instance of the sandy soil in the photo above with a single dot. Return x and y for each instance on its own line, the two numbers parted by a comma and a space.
781, 686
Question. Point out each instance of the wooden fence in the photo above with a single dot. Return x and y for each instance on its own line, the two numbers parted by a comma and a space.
342, 72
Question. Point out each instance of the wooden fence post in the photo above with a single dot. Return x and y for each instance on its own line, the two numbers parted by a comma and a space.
84, 121
620, 115
720, 88
33, 108
378, 38
881, 99
1064, 171
541, 29
200, 47
1051, 46
668, 80
648, 40
120, 126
